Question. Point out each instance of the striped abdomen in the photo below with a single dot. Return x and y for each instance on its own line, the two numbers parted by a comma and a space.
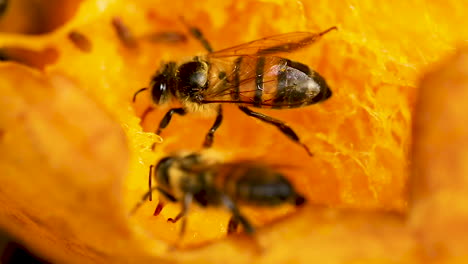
274, 82
254, 184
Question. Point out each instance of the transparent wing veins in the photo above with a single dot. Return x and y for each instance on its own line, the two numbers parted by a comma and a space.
283, 43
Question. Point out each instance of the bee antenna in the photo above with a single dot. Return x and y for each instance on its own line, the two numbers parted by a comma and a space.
328, 30
137, 92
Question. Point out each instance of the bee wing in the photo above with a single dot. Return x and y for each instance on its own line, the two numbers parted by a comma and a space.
272, 45
246, 77
224, 89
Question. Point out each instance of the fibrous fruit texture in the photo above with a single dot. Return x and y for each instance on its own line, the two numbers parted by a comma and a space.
75, 154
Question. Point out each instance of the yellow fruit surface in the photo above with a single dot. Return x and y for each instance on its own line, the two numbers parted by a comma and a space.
75, 154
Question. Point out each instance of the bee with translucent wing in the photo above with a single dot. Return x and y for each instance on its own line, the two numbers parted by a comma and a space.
192, 178
248, 75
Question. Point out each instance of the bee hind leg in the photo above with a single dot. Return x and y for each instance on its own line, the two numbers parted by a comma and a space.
210, 135
285, 129
237, 217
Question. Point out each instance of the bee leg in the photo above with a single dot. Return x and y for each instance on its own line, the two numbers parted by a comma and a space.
148, 193
197, 34
143, 199
147, 111
159, 208
232, 225
285, 129
149, 182
167, 118
209, 136
237, 215
166, 194
188, 197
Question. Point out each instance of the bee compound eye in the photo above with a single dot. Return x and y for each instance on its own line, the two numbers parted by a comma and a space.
158, 89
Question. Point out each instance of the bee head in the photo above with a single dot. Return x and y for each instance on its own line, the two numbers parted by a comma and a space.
163, 82
192, 77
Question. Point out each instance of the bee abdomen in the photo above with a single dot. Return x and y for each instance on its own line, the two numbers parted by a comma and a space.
277, 83
259, 82
299, 86
264, 194
257, 185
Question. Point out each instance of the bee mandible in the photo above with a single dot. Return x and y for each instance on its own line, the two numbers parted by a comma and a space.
248, 75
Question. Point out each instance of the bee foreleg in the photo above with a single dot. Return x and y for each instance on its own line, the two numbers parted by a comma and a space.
209, 136
159, 208
147, 111
237, 215
285, 129
188, 197
166, 194
148, 193
167, 118
143, 199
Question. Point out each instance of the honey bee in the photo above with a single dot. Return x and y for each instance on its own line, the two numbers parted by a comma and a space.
191, 177
248, 75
